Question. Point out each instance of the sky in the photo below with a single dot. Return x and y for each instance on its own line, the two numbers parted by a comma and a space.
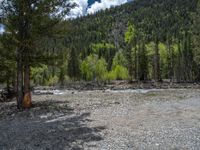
1, 29
85, 7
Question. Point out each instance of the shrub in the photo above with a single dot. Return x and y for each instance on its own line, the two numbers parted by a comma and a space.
119, 59
101, 70
37, 74
52, 81
121, 73
118, 73
110, 76
88, 67
93, 68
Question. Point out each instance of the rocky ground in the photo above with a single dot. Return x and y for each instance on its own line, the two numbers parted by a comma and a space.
104, 120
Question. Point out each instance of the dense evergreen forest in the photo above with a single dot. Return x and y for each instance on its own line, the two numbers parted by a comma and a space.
138, 41
142, 40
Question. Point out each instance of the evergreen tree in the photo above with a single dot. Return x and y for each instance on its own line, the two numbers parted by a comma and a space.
27, 21
73, 65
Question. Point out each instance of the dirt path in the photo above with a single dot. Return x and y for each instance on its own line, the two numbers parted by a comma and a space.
116, 120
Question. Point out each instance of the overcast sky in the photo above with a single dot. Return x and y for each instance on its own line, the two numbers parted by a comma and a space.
91, 6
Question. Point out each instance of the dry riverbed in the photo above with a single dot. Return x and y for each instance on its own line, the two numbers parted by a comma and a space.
104, 120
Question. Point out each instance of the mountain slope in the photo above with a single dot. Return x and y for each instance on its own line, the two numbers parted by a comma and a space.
148, 15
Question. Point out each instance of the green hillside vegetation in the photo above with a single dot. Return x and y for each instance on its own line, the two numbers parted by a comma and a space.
142, 40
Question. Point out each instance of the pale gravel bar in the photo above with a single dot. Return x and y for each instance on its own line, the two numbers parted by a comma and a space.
104, 120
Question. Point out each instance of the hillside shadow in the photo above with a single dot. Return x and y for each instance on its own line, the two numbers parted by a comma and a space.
49, 125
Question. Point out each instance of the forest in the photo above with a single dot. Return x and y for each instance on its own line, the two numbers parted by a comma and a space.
144, 40
124, 77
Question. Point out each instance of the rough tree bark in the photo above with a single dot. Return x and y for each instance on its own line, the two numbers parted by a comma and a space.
135, 72
171, 61
19, 79
27, 93
23, 68
157, 76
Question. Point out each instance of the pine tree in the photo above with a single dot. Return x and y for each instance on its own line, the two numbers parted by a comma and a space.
27, 21
73, 65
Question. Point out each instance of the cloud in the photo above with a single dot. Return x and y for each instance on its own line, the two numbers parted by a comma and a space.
82, 7
79, 10
97, 6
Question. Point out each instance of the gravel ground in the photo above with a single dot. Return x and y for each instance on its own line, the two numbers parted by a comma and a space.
104, 120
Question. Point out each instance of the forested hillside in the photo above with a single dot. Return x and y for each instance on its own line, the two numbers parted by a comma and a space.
141, 40
154, 39
127, 77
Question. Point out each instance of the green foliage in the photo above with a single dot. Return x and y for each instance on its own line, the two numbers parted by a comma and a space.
101, 48
93, 68
7, 57
196, 34
110, 76
150, 49
152, 22
164, 59
119, 60
130, 34
101, 70
118, 73
52, 81
104, 47
39, 74
131, 51
105, 50
119, 70
88, 67
73, 65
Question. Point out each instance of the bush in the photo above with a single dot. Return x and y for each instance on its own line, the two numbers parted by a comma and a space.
118, 73
93, 68
37, 74
119, 59
119, 70
110, 76
121, 73
88, 67
52, 81
101, 70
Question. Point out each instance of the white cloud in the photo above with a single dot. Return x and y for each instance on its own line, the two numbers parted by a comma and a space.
79, 10
104, 4
82, 7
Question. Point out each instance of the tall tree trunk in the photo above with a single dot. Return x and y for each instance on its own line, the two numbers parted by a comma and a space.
171, 60
137, 63
27, 93
172, 65
131, 64
8, 81
179, 66
157, 76
14, 83
135, 73
143, 63
19, 79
